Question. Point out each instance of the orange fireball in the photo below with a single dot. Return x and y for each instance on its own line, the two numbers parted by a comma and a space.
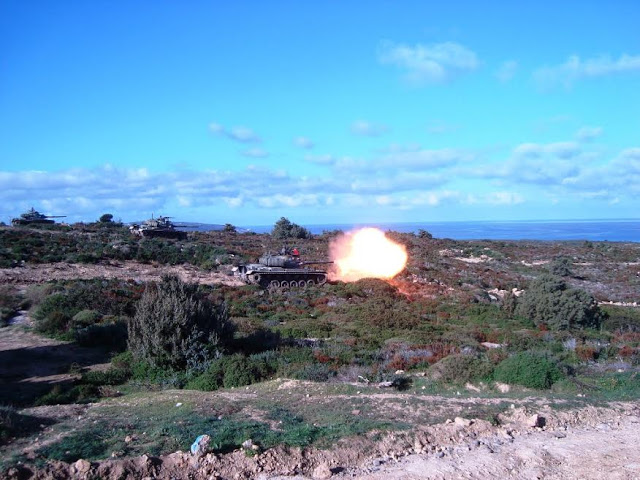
366, 253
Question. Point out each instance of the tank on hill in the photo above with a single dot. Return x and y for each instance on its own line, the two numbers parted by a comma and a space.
157, 227
33, 217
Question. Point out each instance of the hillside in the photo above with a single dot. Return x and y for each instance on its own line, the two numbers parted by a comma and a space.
460, 355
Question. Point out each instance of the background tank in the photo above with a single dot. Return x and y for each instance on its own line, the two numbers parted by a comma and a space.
282, 271
34, 217
158, 227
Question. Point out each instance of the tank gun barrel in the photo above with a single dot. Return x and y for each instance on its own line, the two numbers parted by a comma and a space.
318, 262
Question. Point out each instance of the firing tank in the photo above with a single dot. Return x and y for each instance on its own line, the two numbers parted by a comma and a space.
158, 227
32, 217
282, 271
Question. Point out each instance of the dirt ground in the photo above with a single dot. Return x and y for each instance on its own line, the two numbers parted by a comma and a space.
588, 443
30, 274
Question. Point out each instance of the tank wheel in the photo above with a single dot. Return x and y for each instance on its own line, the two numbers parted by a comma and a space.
284, 284
310, 283
322, 279
301, 283
255, 278
274, 284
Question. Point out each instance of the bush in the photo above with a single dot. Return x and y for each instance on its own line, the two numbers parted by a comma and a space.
561, 267
529, 370
236, 371
175, 328
110, 336
460, 369
85, 318
284, 229
549, 301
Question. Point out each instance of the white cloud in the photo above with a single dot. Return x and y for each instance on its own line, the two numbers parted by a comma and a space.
303, 142
368, 129
255, 153
586, 134
575, 69
439, 128
506, 71
435, 63
282, 200
244, 135
558, 149
238, 134
321, 159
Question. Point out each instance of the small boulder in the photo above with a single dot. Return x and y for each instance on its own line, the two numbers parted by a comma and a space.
82, 466
462, 422
201, 445
322, 471
536, 421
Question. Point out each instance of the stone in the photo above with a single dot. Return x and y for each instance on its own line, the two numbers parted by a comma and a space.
536, 421
321, 471
462, 422
503, 387
82, 466
248, 444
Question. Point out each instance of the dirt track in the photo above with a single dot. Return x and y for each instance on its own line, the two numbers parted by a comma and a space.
29, 274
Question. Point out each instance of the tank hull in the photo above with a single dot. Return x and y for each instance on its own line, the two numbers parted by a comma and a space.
176, 234
22, 221
278, 277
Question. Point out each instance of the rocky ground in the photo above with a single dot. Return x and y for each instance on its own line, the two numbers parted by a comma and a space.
588, 443
39, 273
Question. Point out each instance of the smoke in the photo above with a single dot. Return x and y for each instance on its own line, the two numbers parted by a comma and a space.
366, 253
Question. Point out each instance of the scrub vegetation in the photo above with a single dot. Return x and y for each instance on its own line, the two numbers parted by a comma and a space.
485, 313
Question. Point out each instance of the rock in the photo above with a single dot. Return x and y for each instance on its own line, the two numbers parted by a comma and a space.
128, 439
201, 445
399, 372
491, 345
462, 422
471, 387
321, 471
503, 387
248, 444
536, 421
82, 466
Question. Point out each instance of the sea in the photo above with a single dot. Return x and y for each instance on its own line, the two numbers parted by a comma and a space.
624, 230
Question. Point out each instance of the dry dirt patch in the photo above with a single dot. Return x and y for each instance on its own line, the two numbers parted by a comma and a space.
40, 273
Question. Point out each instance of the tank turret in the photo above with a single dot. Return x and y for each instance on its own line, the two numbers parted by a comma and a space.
158, 227
282, 271
34, 217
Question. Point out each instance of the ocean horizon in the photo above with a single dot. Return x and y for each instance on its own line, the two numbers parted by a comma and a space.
619, 230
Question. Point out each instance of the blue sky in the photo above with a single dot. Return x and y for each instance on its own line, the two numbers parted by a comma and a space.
323, 112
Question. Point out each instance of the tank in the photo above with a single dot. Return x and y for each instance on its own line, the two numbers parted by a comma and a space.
282, 271
32, 216
157, 227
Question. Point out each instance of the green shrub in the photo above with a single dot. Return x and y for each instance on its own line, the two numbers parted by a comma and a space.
461, 369
529, 370
549, 301
561, 267
110, 336
113, 376
285, 229
236, 371
315, 372
175, 328
84, 318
